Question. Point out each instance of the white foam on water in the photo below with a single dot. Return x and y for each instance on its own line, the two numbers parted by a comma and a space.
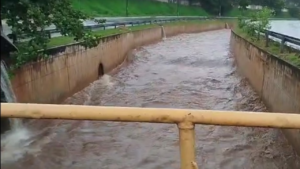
106, 81
103, 83
19, 142
11, 145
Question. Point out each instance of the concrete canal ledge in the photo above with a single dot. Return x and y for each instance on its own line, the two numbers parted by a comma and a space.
277, 81
72, 67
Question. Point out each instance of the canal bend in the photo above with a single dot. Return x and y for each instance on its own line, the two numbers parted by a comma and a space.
194, 71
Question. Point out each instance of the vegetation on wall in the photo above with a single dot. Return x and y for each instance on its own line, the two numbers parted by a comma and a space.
259, 22
30, 18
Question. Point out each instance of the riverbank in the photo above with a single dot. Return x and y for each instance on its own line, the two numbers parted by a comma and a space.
292, 56
73, 67
274, 79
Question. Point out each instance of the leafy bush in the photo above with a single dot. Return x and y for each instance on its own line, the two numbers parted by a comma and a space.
241, 22
29, 19
258, 22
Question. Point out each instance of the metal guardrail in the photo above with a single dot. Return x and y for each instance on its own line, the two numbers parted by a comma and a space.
150, 21
283, 39
144, 21
184, 118
104, 26
139, 22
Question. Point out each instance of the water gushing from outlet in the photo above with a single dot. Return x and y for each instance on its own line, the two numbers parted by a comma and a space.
103, 83
14, 142
9, 94
163, 33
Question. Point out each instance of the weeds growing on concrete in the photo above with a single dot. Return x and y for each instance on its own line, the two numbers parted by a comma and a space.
258, 23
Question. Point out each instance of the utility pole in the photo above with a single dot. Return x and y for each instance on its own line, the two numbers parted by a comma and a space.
220, 9
127, 7
178, 7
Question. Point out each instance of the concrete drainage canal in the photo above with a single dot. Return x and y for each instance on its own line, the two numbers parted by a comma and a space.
193, 71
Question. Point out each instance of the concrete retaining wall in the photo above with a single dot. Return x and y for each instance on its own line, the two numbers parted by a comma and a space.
277, 81
72, 67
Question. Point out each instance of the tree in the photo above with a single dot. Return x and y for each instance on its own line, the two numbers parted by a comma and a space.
217, 7
294, 12
294, 8
192, 1
30, 18
243, 4
276, 5
293, 3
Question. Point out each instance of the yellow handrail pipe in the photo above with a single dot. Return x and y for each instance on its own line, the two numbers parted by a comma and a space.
184, 118
152, 115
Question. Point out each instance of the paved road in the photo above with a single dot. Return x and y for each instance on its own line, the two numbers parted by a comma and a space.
109, 20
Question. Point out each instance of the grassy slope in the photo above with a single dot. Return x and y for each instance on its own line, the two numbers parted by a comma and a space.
148, 8
135, 8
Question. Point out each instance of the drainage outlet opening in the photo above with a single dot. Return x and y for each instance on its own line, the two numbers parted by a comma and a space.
100, 70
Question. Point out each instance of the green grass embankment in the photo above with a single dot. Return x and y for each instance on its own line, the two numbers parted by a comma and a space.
135, 8
149, 8
237, 12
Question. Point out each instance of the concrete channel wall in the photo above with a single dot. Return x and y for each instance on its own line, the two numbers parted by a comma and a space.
277, 81
71, 68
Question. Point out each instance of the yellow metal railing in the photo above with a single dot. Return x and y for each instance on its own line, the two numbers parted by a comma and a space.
184, 118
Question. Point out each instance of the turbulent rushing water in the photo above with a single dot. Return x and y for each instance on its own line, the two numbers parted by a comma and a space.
194, 71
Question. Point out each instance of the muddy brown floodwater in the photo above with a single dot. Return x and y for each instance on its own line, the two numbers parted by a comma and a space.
194, 71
